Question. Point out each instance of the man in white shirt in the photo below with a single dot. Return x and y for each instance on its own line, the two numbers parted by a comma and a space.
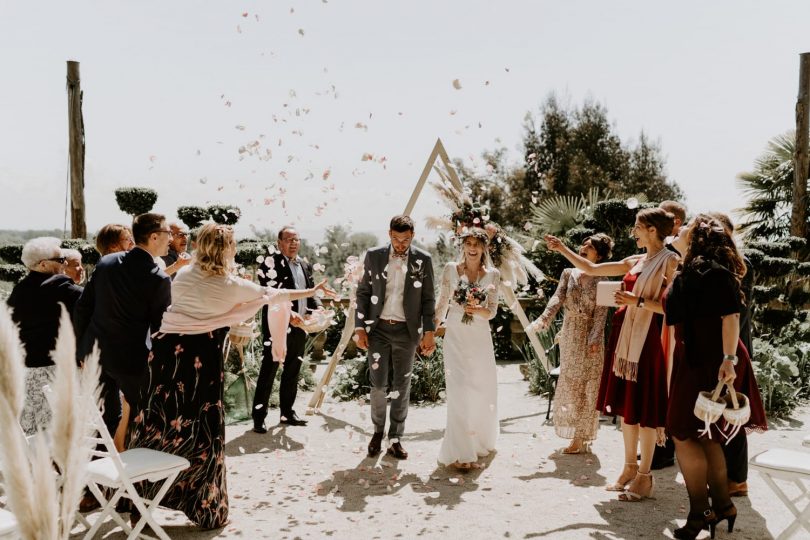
395, 308
284, 270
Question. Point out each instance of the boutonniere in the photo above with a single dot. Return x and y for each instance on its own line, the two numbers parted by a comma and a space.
417, 272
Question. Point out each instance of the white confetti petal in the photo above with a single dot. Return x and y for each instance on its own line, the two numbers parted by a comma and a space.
374, 299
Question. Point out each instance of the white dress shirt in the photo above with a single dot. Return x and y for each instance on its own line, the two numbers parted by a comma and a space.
394, 307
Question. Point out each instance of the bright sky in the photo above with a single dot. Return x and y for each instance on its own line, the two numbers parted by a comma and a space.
173, 89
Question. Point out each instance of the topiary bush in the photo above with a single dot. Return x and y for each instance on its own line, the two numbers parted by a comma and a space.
248, 253
12, 272
192, 216
135, 200
224, 214
765, 293
88, 251
775, 267
11, 253
773, 249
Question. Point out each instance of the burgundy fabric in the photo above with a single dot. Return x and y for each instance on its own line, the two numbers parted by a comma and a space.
644, 401
688, 379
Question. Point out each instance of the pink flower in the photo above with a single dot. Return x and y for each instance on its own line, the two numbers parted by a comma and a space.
177, 423
178, 349
197, 363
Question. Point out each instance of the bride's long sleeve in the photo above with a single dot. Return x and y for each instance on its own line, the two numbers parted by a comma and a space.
443, 302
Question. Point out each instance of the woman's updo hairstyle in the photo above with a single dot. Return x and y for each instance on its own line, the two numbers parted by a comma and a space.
659, 218
602, 244
215, 249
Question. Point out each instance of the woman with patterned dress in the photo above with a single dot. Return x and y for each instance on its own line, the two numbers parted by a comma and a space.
182, 411
634, 376
582, 347
704, 305
469, 356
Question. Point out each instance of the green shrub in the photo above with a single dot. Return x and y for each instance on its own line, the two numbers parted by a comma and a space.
803, 269
248, 253
12, 273
754, 255
11, 253
135, 200
224, 214
539, 380
775, 318
770, 248
192, 216
765, 293
776, 374
88, 251
776, 266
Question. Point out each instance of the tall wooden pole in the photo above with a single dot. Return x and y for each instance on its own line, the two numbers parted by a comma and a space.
78, 227
801, 158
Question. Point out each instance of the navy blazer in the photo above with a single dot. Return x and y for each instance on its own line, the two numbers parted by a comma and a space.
283, 279
122, 304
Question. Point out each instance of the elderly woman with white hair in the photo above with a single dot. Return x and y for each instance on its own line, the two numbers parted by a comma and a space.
35, 302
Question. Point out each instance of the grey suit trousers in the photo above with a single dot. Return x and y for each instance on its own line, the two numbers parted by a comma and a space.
392, 349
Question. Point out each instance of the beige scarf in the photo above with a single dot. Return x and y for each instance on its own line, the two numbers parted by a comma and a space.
636, 323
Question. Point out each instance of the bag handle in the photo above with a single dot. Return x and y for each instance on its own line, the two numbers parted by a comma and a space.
733, 394
717, 390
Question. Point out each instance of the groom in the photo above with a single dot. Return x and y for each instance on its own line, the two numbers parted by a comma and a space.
395, 306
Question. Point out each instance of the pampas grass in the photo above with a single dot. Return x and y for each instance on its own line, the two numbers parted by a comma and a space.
44, 500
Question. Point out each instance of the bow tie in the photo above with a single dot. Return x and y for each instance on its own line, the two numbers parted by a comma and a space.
400, 256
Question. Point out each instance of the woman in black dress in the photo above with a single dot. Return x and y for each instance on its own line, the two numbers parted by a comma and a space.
182, 411
704, 304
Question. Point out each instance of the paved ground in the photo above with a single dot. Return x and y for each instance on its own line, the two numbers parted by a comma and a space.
316, 482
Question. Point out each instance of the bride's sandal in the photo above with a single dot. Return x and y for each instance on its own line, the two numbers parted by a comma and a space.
627, 476
636, 493
463, 467
573, 448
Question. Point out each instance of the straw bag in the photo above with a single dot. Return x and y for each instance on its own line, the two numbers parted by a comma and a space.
709, 407
242, 333
318, 321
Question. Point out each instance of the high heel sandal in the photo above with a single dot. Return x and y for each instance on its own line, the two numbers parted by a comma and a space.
622, 482
638, 495
696, 523
729, 513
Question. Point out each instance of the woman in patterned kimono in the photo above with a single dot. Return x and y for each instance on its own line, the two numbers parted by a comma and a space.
582, 347
181, 411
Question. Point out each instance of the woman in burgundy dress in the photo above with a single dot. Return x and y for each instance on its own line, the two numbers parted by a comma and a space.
634, 382
704, 304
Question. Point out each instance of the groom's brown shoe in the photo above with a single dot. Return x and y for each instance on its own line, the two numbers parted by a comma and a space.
375, 446
397, 451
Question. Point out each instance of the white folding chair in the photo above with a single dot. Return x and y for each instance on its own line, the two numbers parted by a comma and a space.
782, 464
120, 472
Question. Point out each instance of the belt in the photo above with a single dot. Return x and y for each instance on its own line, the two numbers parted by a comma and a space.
391, 321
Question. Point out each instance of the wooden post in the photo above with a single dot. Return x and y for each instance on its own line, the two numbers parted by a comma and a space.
801, 158
78, 227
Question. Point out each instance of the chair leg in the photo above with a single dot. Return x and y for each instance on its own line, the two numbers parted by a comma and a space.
802, 518
108, 509
146, 511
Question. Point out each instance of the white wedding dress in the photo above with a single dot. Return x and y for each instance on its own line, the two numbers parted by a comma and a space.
469, 362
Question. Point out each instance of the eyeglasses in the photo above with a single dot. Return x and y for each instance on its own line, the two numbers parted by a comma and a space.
180, 234
167, 231
60, 260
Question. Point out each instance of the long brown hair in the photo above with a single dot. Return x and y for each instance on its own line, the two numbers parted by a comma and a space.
710, 241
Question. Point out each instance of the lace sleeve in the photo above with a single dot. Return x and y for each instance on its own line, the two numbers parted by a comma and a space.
443, 302
492, 297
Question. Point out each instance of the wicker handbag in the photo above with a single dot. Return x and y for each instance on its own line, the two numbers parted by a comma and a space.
709, 407
737, 411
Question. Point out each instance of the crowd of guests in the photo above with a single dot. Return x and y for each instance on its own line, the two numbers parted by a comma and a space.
160, 318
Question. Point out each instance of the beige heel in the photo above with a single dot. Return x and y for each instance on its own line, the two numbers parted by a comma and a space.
638, 495
623, 480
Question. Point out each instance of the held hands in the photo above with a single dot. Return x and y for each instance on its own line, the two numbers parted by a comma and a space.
296, 320
428, 344
361, 338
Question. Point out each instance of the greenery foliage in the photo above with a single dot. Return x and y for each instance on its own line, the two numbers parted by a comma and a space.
135, 200
12, 272
192, 216
224, 214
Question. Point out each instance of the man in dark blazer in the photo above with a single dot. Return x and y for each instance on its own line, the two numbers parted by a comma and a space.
395, 308
121, 307
284, 270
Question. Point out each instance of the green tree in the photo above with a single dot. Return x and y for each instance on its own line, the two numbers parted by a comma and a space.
135, 200
338, 244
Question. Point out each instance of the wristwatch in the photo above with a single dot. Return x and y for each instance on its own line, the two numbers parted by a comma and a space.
640, 302
731, 358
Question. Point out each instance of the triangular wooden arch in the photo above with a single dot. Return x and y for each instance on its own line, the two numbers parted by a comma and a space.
438, 153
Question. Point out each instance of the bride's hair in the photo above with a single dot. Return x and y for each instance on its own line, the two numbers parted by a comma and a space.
479, 235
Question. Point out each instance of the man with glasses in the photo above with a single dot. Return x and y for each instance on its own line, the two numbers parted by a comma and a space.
177, 257
36, 308
284, 270
121, 306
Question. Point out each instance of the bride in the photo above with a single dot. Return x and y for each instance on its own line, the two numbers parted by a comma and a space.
467, 301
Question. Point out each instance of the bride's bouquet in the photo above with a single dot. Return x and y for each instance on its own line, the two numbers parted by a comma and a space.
469, 294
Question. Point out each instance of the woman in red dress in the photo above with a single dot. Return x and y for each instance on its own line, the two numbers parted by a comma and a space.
634, 382
704, 304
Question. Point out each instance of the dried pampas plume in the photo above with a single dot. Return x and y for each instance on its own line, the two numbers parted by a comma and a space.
12, 363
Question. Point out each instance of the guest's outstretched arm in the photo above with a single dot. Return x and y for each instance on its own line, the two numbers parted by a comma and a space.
617, 268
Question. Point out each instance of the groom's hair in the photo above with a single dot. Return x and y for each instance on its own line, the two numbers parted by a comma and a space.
401, 223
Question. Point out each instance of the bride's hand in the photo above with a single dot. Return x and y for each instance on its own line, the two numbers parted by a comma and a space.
469, 309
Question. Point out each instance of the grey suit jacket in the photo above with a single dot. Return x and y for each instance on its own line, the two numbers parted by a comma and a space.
418, 300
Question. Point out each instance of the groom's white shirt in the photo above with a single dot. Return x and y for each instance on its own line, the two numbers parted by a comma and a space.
394, 306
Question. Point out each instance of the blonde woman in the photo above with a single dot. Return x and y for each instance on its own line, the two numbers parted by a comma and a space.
467, 301
181, 411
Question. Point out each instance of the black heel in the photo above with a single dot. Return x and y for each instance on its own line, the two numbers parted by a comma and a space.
729, 513
696, 523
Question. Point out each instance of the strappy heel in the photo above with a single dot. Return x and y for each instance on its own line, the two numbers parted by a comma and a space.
622, 482
695, 523
728, 513
639, 495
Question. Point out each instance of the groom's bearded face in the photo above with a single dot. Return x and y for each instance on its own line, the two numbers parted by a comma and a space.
400, 241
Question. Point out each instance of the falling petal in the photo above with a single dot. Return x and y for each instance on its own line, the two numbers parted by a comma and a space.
456, 84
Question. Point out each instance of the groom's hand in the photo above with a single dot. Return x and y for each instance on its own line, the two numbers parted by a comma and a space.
428, 344
361, 338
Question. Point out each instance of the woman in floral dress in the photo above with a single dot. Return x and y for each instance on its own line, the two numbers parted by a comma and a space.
582, 347
181, 411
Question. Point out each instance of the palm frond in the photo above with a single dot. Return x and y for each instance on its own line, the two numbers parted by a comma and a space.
557, 214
